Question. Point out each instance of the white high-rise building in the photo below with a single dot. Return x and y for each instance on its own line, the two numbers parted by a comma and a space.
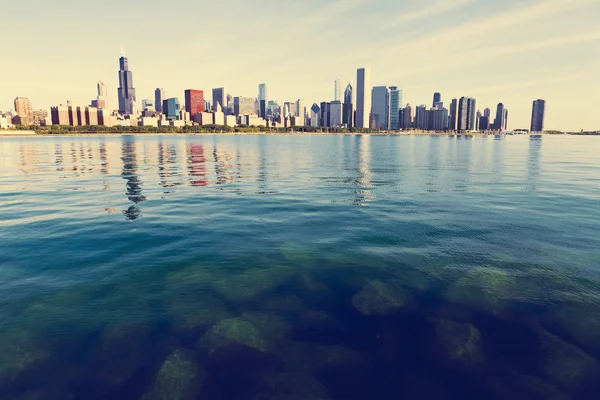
363, 98
299, 108
337, 91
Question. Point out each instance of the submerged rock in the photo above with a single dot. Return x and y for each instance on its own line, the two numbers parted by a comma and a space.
298, 254
20, 352
456, 346
193, 277
580, 322
179, 378
377, 298
120, 353
193, 313
65, 311
254, 330
567, 365
252, 283
232, 331
484, 289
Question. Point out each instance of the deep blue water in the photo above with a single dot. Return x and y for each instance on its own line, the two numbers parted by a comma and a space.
300, 267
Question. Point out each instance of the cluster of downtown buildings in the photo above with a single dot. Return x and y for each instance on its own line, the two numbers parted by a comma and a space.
378, 108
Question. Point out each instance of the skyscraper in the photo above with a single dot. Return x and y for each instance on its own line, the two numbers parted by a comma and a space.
325, 111
101, 99
159, 97
126, 92
505, 127
487, 112
363, 98
437, 97
499, 120
170, 108
407, 117
337, 91
348, 108
421, 118
315, 115
537, 115
219, 96
243, 105
299, 108
380, 110
466, 114
194, 101
335, 113
262, 100
24, 109
395, 106
453, 115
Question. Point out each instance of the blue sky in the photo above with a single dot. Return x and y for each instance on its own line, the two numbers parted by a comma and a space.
510, 51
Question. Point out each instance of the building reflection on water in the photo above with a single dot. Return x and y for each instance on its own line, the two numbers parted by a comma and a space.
363, 184
533, 163
197, 165
129, 173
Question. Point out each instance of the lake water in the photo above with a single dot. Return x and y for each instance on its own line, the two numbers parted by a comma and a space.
300, 267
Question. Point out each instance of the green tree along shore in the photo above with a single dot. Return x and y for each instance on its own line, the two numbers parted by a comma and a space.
66, 129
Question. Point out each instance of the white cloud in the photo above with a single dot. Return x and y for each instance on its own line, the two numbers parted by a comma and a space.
440, 7
496, 22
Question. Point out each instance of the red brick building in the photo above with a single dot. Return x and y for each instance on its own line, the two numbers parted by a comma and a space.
194, 101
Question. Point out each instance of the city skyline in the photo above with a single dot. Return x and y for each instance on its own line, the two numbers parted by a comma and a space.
507, 53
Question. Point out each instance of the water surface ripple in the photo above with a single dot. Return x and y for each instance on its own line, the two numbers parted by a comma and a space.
299, 267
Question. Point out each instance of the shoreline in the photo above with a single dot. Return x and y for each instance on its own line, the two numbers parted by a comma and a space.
299, 133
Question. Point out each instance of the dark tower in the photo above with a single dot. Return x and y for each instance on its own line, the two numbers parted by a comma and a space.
126, 92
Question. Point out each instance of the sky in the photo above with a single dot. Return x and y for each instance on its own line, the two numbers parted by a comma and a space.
510, 51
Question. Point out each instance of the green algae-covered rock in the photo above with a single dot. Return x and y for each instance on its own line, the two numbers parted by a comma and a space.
567, 365
270, 326
188, 300
456, 346
194, 312
20, 352
64, 311
377, 298
260, 331
234, 331
193, 277
298, 254
484, 289
179, 378
252, 282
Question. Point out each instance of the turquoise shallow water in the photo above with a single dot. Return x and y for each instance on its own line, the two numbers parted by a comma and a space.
299, 267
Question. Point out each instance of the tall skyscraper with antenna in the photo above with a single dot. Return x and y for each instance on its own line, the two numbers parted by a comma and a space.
126, 91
